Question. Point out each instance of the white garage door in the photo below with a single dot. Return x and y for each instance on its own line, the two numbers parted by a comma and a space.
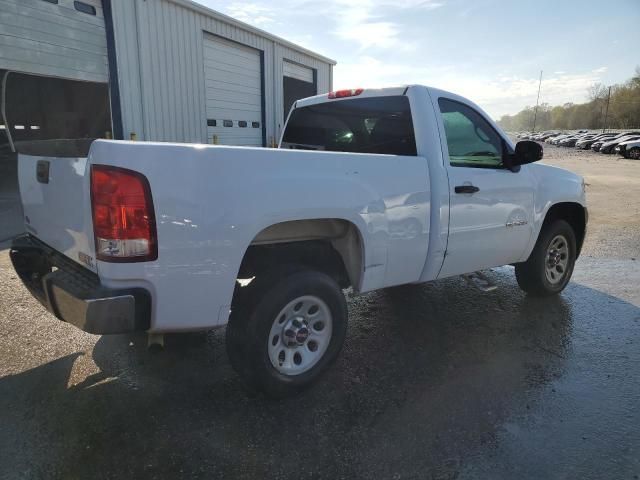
233, 79
294, 70
61, 38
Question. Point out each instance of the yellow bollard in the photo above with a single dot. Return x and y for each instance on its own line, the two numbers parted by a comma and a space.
133, 137
214, 140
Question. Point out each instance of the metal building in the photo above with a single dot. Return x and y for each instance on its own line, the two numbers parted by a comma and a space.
163, 70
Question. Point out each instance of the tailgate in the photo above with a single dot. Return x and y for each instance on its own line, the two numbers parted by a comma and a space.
55, 194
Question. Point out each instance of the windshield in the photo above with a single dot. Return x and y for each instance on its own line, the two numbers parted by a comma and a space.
362, 125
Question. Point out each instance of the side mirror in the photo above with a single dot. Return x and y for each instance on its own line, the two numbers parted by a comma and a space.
526, 152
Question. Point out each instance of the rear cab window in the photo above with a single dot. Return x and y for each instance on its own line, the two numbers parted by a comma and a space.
358, 125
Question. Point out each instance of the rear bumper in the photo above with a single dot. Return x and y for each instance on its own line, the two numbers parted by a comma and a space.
74, 294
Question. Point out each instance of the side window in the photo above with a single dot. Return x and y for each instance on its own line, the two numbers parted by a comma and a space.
472, 141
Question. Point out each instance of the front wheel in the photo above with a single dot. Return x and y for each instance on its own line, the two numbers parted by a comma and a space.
634, 153
550, 265
287, 331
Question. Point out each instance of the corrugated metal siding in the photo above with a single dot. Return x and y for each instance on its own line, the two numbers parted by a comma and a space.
129, 80
169, 56
56, 40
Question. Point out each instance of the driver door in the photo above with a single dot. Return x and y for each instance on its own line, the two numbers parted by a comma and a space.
491, 207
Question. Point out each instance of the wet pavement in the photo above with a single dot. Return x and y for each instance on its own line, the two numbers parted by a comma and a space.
435, 382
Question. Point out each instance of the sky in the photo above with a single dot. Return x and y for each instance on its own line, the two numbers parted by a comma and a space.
491, 51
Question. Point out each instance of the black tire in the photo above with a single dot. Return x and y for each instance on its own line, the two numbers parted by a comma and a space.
634, 153
254, 312
532, 275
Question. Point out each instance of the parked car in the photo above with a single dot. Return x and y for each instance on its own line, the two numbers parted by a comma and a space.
585, 144
542, 136
555, 140
569, 141
609, 146
629, 149
547, 135
596, 145
264, 240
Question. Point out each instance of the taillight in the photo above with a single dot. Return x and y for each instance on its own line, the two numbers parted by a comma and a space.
354, 92
124, 224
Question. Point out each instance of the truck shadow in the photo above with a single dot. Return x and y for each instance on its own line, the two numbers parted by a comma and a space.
429, 375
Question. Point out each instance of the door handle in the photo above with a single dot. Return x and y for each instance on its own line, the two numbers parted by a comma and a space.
466, 189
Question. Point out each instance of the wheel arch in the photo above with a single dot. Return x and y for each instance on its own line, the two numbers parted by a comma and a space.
574, 214
332, 245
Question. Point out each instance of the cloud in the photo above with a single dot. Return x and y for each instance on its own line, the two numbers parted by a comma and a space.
498, 95
366, 21
374, 46
370, 34
251, 13
512, 95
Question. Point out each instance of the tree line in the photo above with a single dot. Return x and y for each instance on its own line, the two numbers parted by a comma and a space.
623, 111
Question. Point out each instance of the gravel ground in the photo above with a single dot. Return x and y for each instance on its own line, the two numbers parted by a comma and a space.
613, 197
435, 381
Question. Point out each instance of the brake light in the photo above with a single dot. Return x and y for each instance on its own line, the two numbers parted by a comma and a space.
354, 92
124, 223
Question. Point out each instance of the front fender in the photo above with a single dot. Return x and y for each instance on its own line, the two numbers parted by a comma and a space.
553, 186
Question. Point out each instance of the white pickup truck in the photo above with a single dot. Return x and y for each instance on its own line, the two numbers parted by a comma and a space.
369, 189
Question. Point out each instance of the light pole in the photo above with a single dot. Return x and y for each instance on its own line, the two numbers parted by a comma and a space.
606, 113
535, 114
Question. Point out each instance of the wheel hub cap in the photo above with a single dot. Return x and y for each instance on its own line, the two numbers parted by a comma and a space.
300, 335
554, 258
295, 332
557, 260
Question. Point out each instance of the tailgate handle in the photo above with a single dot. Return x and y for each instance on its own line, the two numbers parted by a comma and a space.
42, 171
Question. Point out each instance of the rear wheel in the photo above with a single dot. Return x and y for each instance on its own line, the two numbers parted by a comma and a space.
286, 331
550, 265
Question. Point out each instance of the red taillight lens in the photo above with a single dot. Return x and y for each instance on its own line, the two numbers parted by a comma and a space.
354, 92
124, 223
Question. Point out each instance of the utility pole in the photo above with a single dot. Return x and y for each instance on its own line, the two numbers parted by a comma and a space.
535, 115
606, 113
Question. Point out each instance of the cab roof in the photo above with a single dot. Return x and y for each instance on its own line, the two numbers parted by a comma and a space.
366, 92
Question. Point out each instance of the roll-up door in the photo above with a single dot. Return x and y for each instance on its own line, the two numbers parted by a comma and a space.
294, 70
58, 38
298, 82
233, 77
